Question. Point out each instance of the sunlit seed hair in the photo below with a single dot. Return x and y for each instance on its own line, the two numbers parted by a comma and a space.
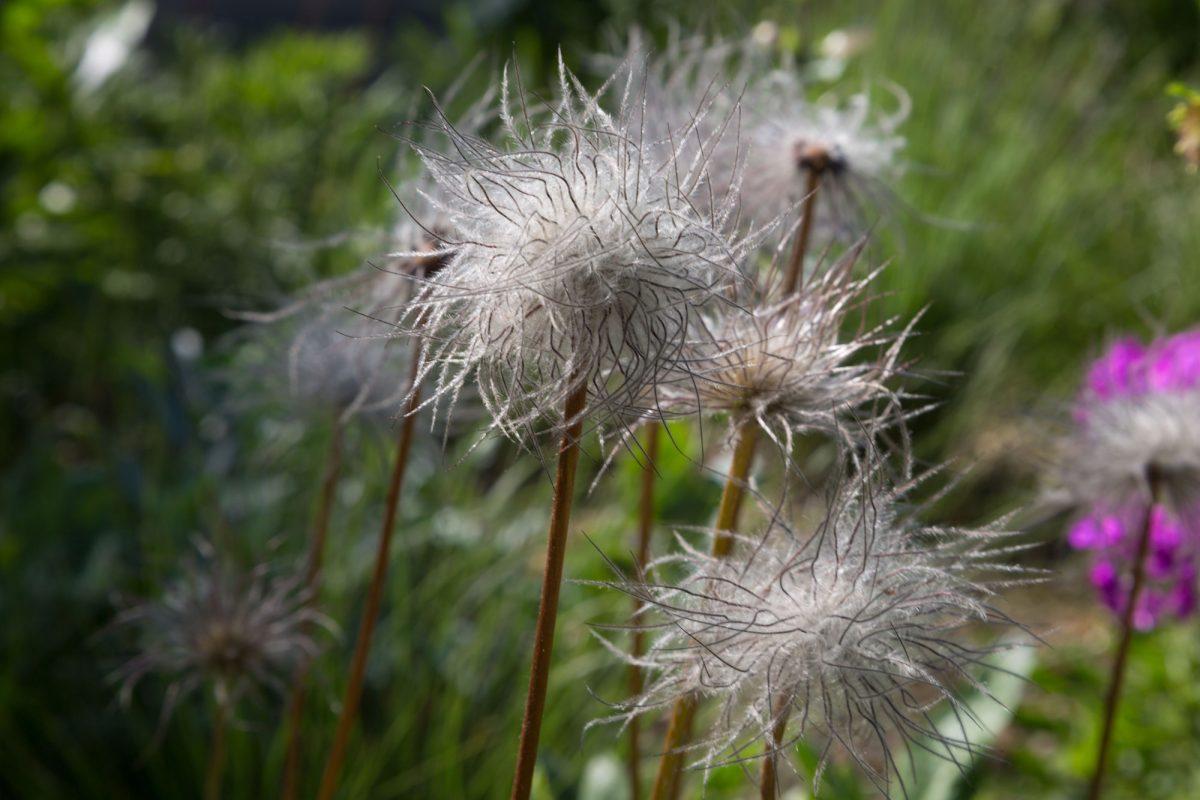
858, 628
578, 257
790, 368
215, 626
689, 103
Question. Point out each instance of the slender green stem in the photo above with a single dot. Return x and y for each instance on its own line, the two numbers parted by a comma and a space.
556, 545
800, 250
1117, 679
667, 780
316, 555
358, 665
645, 526
216, 752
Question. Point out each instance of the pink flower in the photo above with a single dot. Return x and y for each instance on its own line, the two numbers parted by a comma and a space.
1139, 416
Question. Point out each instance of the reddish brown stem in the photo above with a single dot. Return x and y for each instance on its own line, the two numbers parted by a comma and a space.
769, 782
556, 544
1118, 668
316, 555
645, 526
667, 781
358, 665
796, 262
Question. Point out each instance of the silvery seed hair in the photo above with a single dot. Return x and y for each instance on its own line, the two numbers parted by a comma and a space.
855, 631
578, 258
789, 368
853, 147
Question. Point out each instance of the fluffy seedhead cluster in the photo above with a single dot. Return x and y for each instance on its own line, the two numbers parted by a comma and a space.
1137, 443
847, 635
235, 631
789, 367
578, 259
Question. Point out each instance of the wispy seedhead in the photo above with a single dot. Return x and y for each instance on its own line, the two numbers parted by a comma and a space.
851, 146
853, 631
577, 257
1136, 444
215, 626
791, 368
773, 136
329, 349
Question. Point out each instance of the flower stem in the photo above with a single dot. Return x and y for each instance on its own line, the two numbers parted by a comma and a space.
796, 262
670, 765
358, 665
543, 642
1118, 668
216, 753
645, 526
735, 489
769, 779
316, 555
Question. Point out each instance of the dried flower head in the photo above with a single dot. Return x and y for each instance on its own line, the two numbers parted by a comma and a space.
850, 146
577, 259
326, 350
237, 631
789, 368
1137, 444
330, 348
848, 636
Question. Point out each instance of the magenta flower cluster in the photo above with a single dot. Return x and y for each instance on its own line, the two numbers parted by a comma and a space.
1132, 373
1130, 369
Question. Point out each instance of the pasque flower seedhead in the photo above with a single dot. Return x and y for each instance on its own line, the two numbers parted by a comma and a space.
234, 631
791, 368
578, 257
849, 144
850, 633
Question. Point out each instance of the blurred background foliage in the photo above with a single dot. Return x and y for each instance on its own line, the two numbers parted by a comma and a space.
160, 166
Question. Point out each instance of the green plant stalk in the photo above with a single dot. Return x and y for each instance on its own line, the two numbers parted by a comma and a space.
645, 526
358, 665
316, 556
216, 752
556, 545
670, 765
1117, 680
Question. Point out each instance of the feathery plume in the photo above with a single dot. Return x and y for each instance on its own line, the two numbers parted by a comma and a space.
787, 366
847, 636
578, 259
791, 140
237, 631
